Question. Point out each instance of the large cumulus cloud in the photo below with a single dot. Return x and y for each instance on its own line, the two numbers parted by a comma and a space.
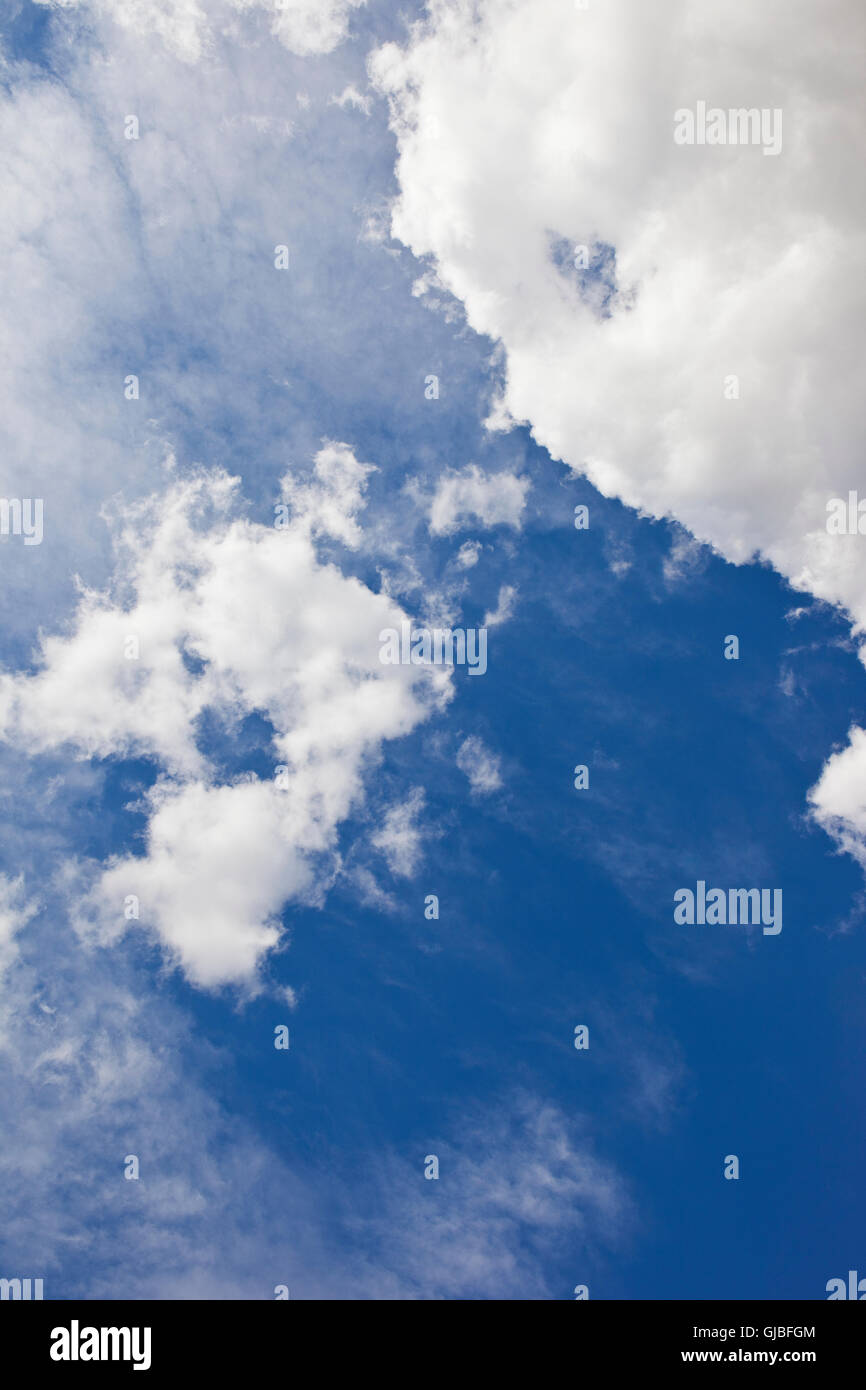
528, 132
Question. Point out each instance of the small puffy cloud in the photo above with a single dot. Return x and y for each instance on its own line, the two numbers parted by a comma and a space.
328, 505
220, 862
838, 799
308, 27
467, 555
504, 607
486, 499
400, 838
350, 96
480, 766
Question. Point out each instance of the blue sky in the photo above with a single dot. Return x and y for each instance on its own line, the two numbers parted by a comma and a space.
409, 1037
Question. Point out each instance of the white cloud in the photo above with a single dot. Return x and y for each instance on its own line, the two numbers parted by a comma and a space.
468, 554
308, 26
106, 236
838, 799
480, 766
117, 252
400, 837
490, 499
371, 891
517, 1180
220, 862
181, 24
15, 913
304, 27
350, 96
683, 559
525, 132
92, 1072
327, 505
504, 607
233, 618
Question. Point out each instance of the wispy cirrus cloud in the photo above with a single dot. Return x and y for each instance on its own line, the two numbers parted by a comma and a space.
216, 1211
